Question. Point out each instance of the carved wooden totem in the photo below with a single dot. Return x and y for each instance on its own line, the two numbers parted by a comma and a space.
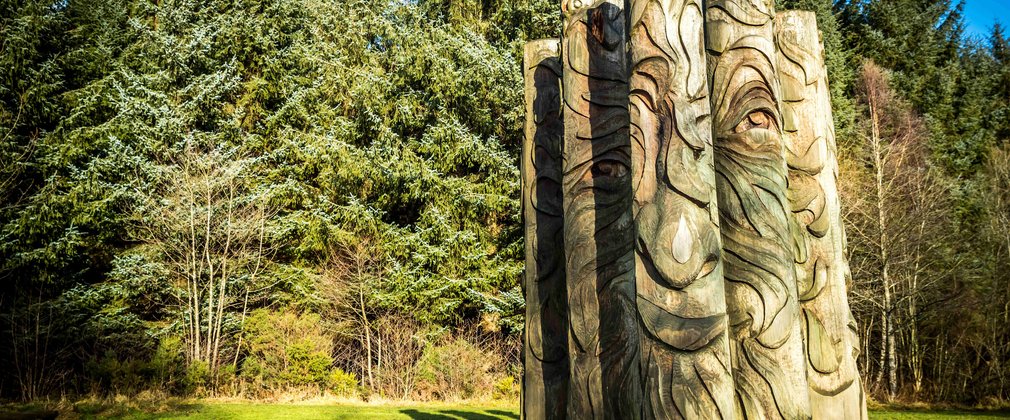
821, 266
681, 298
767, 353
684, 248
599, 232
545, 377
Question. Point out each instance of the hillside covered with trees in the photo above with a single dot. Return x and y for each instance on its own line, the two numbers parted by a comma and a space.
250, 197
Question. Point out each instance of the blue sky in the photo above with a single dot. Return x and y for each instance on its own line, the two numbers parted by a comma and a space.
979, 15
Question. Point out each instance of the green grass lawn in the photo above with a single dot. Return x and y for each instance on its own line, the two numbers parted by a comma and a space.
258, 411
938, 415
445, 412
255, 411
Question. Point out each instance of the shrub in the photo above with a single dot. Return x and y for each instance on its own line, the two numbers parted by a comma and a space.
398, 344
118, 375
456, 369
197, 378
290, 350
507, 388
306, 365
342, 383
166, 365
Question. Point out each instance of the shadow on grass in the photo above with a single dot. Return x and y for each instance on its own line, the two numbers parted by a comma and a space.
418, 415
29, 415
457, 414
503, 413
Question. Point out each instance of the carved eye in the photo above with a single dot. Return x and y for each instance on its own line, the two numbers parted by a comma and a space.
756, 119
609, 168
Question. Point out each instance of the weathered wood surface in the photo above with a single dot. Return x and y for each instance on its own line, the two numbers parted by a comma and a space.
545, 339
681, 297
767, 349
685, 254
819, 239
598, 225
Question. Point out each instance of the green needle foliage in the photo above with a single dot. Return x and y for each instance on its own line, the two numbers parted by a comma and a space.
179, 176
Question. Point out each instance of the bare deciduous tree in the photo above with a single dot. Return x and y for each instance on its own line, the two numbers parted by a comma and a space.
346, 284
211, 230
897, 215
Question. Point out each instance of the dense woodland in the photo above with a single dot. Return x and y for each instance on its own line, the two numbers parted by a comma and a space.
262, 197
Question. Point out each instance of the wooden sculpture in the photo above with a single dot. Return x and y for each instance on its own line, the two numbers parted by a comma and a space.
545, 354
684, 250
831, 346
598, 226
678, 276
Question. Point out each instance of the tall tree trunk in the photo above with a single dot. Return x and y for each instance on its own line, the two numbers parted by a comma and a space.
884, 240
368, 336
882, 362
914, 350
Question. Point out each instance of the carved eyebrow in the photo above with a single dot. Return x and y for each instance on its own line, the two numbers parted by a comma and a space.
754, 95
616, 146
744, 75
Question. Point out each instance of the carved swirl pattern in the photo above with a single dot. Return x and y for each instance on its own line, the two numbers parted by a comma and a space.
818, 237
545, 352
680, 292
767, 349
685, 253
599, 232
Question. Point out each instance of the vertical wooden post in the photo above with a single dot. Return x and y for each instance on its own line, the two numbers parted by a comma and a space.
545, 339
679, 279
599, 228
767, 350
821, 267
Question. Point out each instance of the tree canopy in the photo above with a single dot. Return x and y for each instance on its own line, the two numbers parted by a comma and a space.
176, 168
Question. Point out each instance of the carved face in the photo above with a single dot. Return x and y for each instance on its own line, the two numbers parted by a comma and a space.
597, 174
677, 264
753, 211
599, 229
752, 200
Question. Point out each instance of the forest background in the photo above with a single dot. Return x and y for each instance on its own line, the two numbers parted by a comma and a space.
259, 198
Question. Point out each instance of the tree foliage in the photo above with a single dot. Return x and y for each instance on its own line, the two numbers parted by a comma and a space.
360, 159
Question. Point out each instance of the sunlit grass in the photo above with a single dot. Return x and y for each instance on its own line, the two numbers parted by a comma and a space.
938, 415
310, 412
242, 410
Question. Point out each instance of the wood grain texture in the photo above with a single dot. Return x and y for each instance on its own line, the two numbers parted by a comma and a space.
685, 253
545, 341
599, 232
680, 288
767, 349
818, 237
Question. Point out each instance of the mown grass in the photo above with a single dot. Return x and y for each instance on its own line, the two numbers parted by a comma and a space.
320, 412
447, 412
198, 409
244, 410
886, 414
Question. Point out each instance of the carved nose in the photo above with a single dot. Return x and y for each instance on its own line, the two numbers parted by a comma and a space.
682, 242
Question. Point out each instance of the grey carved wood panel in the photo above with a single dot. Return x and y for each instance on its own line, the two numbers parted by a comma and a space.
599, 232
685, 253
767, 349
821, 266
545, 340
681, 298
